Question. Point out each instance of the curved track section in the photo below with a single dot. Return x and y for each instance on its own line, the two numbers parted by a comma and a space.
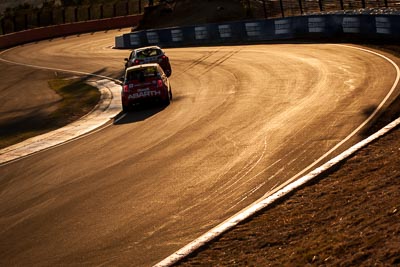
244, 120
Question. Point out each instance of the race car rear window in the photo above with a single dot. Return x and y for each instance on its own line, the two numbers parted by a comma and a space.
148, 53
141, 74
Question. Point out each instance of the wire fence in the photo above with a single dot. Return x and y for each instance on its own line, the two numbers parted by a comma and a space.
287, 8
22, 19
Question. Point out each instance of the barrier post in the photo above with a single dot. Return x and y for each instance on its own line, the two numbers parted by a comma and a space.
321, 8
248, 10
265, 9
25, 21
14, 23
301, 7
38, 18
63, 15
76, 14
51, 16
282, 9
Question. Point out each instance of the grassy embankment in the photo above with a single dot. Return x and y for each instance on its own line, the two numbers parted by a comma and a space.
77, 99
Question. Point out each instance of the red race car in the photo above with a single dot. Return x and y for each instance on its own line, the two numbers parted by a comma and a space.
145, 82
149, 54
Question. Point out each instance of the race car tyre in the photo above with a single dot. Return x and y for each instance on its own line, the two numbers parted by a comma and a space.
126, 108
167, 101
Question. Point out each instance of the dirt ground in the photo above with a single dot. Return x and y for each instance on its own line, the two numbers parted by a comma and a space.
350, 217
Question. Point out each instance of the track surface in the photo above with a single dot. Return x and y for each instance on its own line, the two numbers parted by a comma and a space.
243, 121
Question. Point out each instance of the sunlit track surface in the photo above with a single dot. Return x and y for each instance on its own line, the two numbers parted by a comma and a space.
243, 121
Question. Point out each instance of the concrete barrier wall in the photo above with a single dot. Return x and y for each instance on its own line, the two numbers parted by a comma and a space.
316, 26
37, 34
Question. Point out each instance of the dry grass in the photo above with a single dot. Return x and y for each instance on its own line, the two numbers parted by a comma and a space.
78, 98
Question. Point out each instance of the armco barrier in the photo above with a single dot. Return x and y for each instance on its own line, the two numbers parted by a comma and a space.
38, 34
315, 26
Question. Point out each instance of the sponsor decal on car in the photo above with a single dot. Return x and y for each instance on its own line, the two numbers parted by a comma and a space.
144, 94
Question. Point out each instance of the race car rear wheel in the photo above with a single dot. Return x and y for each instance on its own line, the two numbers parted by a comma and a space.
126, 108
168, 99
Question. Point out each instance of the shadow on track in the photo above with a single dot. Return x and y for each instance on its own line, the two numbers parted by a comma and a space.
139, 113
383, 118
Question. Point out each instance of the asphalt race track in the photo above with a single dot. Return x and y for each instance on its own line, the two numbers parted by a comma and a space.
244, 120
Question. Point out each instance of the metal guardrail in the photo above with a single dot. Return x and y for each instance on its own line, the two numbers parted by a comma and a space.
315, 26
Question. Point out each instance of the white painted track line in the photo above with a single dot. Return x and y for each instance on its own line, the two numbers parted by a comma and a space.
265, 202
293, 183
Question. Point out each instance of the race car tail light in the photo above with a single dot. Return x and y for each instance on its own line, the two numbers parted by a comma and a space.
163, 57
126, 89
137, 61
159, 83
